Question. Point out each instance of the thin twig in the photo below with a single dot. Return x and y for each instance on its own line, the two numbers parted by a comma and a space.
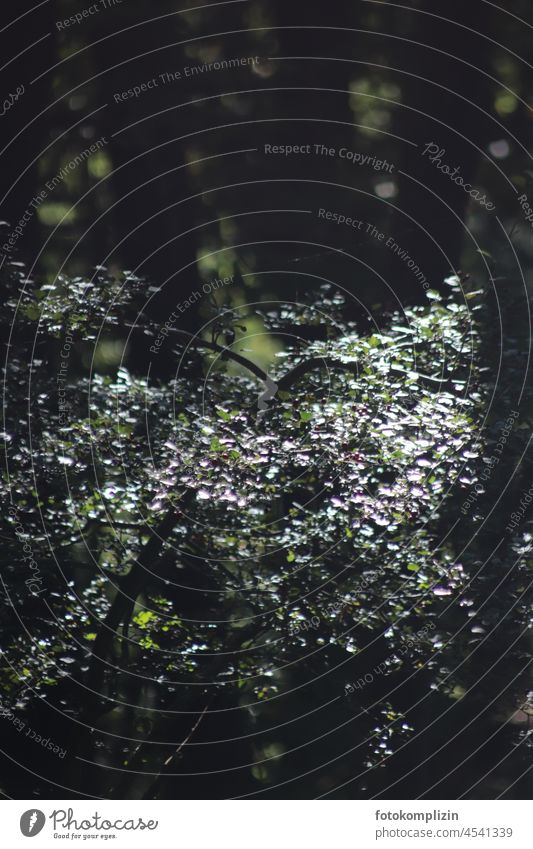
188, 737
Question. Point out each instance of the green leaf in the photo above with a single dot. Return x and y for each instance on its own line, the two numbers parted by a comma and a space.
216, 444
143, 618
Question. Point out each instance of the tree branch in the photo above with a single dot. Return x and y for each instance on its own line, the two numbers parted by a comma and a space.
310, 365
196, 342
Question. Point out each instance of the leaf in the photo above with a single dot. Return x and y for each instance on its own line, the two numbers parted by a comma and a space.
143, 618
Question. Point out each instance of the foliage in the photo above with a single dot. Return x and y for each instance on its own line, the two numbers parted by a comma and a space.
187, 542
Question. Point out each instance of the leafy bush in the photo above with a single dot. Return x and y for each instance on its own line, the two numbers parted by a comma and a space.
196, 547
